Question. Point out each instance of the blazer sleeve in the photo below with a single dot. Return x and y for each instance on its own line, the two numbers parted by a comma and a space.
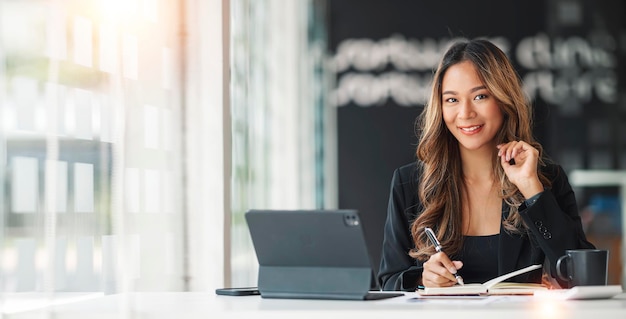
553, 220
398, 270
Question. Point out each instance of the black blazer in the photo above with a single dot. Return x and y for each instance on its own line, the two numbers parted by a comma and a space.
553, 222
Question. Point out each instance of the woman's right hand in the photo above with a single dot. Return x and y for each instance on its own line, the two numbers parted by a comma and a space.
438, 271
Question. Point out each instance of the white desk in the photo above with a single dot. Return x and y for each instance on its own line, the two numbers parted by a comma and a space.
208, 305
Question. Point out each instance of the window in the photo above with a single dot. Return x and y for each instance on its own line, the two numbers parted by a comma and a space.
122, 156
90, 146
280, 124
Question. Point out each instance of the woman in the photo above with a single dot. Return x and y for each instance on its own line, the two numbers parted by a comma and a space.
481, 182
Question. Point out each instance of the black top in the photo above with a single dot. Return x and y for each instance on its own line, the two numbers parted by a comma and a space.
553, 226
480, 258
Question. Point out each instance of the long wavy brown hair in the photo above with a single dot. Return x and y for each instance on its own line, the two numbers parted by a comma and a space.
441, 182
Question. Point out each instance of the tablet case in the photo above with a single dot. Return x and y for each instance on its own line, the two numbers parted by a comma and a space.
312, 254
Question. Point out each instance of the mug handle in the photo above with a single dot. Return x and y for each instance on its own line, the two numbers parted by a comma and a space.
558, 268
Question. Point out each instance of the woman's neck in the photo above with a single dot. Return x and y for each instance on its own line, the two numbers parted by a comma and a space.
477, 165
481, 205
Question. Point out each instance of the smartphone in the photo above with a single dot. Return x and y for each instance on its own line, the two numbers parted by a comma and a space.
238, 291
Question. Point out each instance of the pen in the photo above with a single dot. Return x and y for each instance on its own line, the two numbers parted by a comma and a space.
431, 235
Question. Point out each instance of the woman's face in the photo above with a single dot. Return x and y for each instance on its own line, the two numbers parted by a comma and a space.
470, 112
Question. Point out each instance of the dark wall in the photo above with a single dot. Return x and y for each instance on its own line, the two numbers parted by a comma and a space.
568, 52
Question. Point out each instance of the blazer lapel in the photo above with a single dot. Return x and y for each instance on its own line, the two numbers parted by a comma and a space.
510, 247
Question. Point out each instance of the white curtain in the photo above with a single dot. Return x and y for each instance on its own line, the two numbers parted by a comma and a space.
276, 104
91, 151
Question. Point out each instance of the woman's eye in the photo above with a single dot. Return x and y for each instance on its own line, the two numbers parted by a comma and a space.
450, 100
480, 97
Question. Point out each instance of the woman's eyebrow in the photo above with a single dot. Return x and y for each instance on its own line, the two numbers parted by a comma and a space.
478, 88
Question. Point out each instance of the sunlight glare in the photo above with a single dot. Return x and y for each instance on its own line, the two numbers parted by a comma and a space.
552, 309
124, 10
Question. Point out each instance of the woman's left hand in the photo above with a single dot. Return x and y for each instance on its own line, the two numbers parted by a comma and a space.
522, 170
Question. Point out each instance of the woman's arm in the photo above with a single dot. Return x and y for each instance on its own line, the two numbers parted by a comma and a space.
553, 219
399, 271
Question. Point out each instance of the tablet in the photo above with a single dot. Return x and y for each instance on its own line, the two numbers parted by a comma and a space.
312, 254
581, 292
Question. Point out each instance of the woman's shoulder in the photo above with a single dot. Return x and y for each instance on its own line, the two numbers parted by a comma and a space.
408, 168
404, 188
408, 172
553, 170
558, 177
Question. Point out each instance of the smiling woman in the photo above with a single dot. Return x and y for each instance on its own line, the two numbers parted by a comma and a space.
492, 215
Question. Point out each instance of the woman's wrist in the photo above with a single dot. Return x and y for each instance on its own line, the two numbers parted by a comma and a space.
531, 189
531, 200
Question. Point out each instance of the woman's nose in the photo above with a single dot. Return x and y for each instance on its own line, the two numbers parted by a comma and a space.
467, 109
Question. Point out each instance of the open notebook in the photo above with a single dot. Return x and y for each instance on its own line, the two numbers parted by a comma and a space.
495, 286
